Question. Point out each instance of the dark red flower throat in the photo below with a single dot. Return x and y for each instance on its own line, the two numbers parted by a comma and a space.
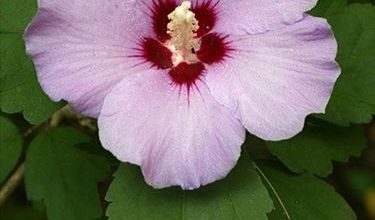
213, 47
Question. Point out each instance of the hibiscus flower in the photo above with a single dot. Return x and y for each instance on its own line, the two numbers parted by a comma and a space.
176, 84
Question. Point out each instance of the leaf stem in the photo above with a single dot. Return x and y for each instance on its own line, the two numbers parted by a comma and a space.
273, 190
12, 183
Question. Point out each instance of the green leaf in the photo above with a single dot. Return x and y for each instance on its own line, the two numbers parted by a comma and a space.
315, 148
94, 148
19, 88
17, 208
353, 99
302, 196
362, 1
64, 178
241, 195
328, 7
10, 147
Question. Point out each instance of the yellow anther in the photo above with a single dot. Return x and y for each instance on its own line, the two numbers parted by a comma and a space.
182, 28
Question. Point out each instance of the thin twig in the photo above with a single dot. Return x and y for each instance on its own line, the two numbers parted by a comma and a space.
31, 131
12, 183
15, 179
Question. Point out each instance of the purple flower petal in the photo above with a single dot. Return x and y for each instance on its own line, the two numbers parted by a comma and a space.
81, 47
274, 80
259, 62
256, 16
178, 136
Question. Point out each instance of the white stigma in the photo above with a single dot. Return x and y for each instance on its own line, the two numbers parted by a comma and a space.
182, 28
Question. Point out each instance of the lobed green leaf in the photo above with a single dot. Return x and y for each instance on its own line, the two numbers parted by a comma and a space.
353, 99
302, 196
241, 195
315, 148
19, 88
62, 177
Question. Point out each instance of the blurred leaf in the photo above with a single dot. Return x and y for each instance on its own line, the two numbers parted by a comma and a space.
19, 88
64, 177
19, 209
10, 147
302, 196
241, 195
353, 99
360, 182
370, 203
315, 148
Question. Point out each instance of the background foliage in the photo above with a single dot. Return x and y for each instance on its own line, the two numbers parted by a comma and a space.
59, 173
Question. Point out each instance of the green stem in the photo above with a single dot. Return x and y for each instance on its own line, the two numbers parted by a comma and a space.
12, 183
273, 190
